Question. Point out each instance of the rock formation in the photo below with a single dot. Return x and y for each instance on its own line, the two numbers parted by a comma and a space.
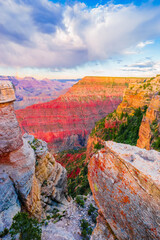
31, 91
138, 95
125, 182
28, 172
150, 126
67, 121
10, 137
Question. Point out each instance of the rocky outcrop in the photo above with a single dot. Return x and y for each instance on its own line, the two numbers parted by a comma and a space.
50, 175
150, 126
30, 91
25, 164
10, 137
66, 122
125, 182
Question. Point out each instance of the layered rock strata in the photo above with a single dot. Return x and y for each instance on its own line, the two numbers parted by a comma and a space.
125, 182
66, 122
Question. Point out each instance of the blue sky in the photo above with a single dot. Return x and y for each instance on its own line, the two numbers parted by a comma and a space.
72, 39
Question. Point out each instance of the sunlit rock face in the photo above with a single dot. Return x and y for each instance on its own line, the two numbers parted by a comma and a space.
138, 95
67, 121
125, 182
150, 126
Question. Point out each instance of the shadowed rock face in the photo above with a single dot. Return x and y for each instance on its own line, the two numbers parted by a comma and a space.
9, 203
125, 182
66, 122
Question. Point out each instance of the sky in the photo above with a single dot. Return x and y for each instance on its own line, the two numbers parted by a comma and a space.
72, 39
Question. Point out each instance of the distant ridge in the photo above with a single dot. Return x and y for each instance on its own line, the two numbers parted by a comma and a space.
30, 91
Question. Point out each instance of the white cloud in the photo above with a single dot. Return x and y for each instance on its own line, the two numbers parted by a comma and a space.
143, 44
29, 38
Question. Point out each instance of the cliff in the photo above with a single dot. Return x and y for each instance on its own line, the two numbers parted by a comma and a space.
136, 121
66, 122
30, 178
149, 133
125, 182
30, 91
138, 95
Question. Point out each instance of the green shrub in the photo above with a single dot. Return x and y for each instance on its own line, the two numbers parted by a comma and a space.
80, 200
98, 146
4, 233
86, 229
93, 212
124, 132
91, 209
156, 144
28, 228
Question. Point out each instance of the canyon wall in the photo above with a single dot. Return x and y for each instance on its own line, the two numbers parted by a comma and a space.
149, 132
66, 122
30, 178
125, 182
30, 91
144, 95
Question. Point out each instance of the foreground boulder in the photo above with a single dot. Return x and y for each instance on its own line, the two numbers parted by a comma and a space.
125, 182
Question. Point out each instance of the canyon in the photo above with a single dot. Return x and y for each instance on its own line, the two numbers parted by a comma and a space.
66, 122
124, 179
30, 91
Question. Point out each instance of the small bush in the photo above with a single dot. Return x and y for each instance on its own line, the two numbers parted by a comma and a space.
91, 209
4, 233
86, 229
93, 212
28, 228
80, 200
98, 146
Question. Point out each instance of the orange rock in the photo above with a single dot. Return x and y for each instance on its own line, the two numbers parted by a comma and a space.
146, 136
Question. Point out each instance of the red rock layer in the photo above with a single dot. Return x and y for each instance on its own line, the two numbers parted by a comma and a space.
66, 122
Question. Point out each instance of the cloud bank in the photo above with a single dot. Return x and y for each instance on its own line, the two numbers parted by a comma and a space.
42, 34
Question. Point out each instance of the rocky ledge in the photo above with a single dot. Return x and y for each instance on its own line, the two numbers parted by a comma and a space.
125, 182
